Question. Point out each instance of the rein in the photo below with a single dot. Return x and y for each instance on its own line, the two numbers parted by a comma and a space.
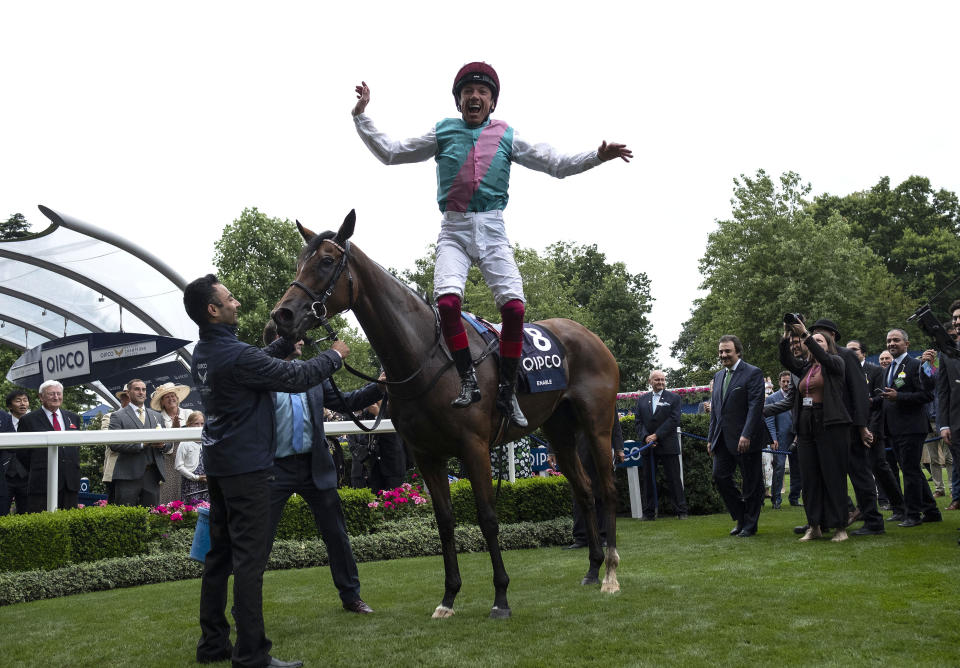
319, 309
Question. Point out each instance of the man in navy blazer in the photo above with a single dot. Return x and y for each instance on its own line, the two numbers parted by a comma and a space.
658, 416
7, 457
303, 465
737, 435
907, 391
50, 417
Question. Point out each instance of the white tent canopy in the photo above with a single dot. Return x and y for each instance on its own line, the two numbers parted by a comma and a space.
74, 278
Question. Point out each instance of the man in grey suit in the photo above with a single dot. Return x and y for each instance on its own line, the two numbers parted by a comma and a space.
138, 473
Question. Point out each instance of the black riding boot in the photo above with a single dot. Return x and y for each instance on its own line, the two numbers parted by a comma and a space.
506, 394
469, 390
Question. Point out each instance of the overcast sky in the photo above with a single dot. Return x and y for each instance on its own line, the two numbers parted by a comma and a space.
163, 121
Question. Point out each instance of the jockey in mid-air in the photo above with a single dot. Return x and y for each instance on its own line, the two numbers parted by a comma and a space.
473, 155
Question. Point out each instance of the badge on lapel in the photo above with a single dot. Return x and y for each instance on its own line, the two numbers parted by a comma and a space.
72, 426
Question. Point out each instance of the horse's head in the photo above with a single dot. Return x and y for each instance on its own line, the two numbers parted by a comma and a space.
323, 285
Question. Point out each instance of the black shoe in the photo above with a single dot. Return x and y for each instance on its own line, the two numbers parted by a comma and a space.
507, 391
930, 517
735, 531
277, 663
746, 533
801, 530
897, 517
576, 545
796, 503
867, 531
682, 516
469, 389
776, 505
907, 523
358, 607
647, 518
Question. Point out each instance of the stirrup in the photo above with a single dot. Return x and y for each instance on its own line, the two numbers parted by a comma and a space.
508, 404
469, 390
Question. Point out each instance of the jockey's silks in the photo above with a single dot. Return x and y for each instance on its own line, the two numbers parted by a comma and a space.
473, 165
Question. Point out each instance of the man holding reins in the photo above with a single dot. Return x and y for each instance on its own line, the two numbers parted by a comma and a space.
473, 155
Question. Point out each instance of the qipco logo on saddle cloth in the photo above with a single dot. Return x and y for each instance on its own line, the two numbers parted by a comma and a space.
542, 361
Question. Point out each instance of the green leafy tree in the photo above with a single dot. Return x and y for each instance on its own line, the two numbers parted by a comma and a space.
256, 259
773, 257
574, 282
913, 228
15, 227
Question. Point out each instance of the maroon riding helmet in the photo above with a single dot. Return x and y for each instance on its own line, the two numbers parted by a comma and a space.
476, 73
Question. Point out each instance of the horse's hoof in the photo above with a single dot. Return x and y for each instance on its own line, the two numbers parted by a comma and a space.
610, 587
499, 613
442, 612
590, 580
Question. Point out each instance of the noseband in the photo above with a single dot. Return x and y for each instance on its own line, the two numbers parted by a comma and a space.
319, 305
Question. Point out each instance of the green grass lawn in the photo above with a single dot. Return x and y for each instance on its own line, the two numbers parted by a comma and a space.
691, 595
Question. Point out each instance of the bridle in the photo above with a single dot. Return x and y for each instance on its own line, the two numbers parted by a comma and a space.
319, 305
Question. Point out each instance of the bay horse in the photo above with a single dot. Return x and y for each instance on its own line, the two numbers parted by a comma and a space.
403, 330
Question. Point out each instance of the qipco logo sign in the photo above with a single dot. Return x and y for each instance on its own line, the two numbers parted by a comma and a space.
66, 361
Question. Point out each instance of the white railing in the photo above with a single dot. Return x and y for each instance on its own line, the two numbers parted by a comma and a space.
52, 440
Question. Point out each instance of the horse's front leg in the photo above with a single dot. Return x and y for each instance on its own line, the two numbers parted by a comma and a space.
435, 474
477, 460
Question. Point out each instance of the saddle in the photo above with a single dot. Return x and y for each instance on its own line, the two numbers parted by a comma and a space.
542, 367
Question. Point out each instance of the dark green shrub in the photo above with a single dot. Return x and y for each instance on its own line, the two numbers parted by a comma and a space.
419, 538
103, 533
34, 541
702, 495
357, 512
296, 521
465, 505
539, 499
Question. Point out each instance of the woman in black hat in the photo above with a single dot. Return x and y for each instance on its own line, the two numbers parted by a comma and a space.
823, 430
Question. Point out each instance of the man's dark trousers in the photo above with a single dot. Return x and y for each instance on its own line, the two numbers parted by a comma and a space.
744, 507
293, 474
917, 498
860, 471
239, 515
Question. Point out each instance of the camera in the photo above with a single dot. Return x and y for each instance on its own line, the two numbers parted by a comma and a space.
792, 318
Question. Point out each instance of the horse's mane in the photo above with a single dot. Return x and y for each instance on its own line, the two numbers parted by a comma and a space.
314, 244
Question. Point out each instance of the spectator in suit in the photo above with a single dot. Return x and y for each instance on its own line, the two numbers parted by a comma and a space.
782, 437
6, 457
658, 416
51, 417
822, 424
139, 471
302, 465
736, 435
388, 459
906, 391
948, 409
15, 472
886, 484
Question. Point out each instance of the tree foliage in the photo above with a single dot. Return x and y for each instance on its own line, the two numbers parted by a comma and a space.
575, 282
15, 227
913, 228
774, 256
256, 259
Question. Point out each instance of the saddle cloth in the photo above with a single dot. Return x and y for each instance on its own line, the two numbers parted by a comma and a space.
541, 359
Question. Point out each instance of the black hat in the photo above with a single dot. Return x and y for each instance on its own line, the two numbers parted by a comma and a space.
828, 325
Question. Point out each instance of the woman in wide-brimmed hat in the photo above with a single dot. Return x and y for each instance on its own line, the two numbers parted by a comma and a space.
166, 399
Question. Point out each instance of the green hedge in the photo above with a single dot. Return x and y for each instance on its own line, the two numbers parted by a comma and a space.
172, 563
526, 500
51, 540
